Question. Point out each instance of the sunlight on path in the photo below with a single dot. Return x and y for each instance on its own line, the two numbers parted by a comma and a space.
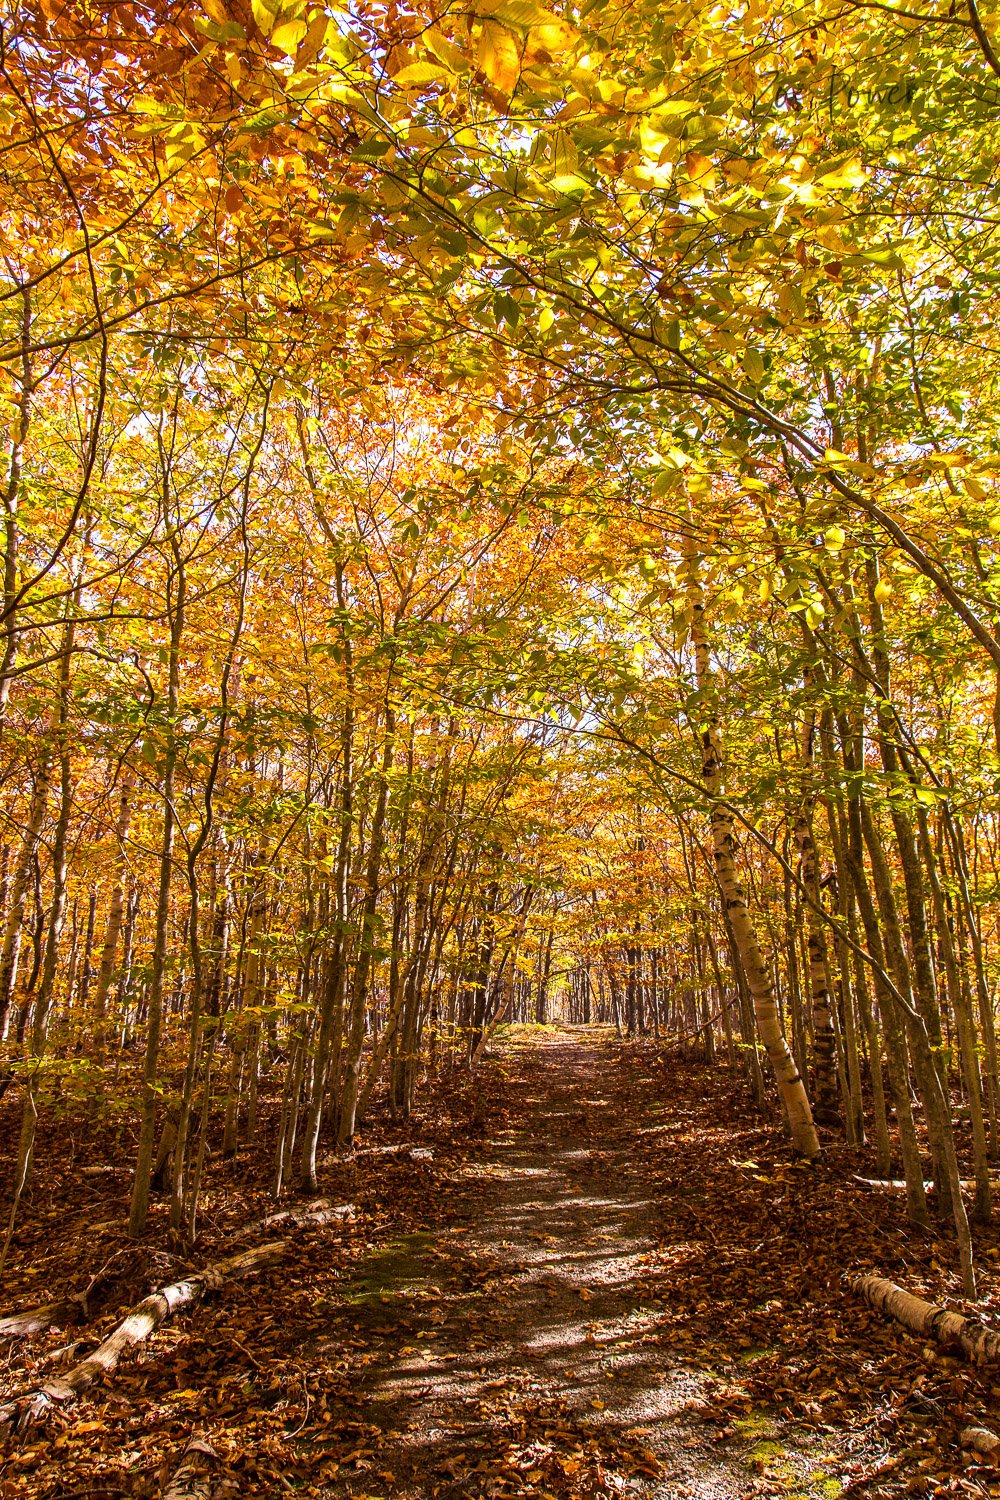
512, 1354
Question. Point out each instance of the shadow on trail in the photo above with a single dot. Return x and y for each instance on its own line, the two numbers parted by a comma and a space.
516, 1353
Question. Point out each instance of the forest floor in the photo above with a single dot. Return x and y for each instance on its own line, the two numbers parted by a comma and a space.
594, 1273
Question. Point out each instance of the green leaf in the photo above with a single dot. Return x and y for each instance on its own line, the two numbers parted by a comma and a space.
753, 365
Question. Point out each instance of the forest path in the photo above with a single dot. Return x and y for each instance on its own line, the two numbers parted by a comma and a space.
514, 1353
594, 1271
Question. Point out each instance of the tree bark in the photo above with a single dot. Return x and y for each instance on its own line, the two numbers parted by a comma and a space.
351, 1080
115, 916
929, 1320
790, 1085
824, 1044
147, 1125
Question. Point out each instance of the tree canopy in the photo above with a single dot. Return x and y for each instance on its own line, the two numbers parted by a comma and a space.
500, 521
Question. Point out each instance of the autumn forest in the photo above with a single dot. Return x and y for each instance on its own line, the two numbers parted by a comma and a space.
499, 749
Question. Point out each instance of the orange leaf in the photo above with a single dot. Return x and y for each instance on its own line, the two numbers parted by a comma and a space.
700, 169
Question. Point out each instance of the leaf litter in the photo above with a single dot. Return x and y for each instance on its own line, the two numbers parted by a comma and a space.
598, 1274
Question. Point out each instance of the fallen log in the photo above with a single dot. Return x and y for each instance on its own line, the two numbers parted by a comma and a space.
22, 1325
887, 1184
32, 1320
898, 1184
320, 1211
930, 1320
194, 1477
144, 1319
75, 1307
981, 1441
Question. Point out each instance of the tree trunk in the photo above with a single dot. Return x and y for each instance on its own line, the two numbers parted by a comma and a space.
928, 1320
790, 1084
824, 1044
147, 1125
115, 915
351, 1079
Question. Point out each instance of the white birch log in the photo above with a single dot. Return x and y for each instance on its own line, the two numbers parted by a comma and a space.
21, 1325
898, 1184
982, 1441
319, 1212
32, 1320
194, 1477
930, 1320
143, 1320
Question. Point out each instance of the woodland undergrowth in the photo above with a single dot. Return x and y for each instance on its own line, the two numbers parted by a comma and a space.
749, 1280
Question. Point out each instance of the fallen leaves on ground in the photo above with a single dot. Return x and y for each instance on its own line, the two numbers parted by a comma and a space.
385, 1358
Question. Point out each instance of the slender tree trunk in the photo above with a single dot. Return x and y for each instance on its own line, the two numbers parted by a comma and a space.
965, 1023
20, 883
11, 498
790, 1084
60, 734
351, 1076
827, 1111
154, 1011
115, 916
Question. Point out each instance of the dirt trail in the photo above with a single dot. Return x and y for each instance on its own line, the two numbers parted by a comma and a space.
596, 1273
512, 1354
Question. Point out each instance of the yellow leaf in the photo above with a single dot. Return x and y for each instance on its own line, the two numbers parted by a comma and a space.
564, 154
288, 35
181, 143
844, 174
263, 15
499, 57
883, 591
553, 36
450, 56
792, 302
545, 31
753, 364
417, 73
834, 539
546, 318
654, 133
